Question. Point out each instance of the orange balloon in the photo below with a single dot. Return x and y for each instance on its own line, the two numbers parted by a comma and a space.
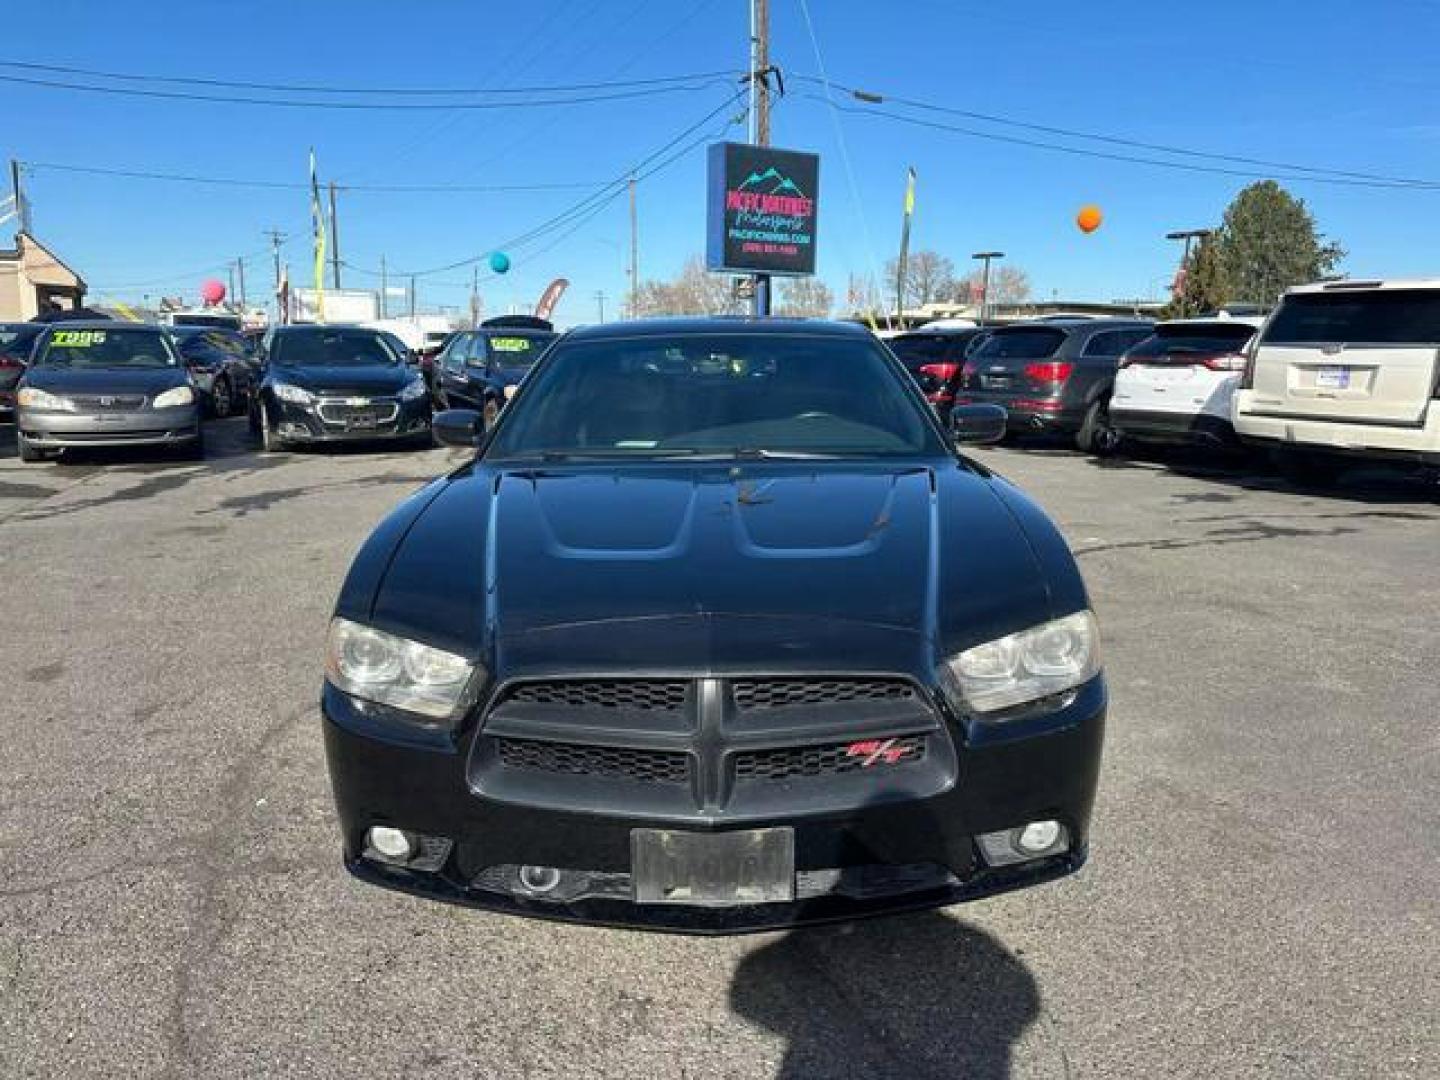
1089, 218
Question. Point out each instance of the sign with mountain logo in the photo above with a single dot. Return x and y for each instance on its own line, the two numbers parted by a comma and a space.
762, 209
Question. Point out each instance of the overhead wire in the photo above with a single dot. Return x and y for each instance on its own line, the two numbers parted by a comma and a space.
288, 185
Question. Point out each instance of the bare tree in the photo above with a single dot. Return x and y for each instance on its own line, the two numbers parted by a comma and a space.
1008, 285
929, 276
808, 297
696, 291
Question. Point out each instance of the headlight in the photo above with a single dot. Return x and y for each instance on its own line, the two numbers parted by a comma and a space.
414, 390
1033, 664
377, 666
180, 395
33, 398
286, 392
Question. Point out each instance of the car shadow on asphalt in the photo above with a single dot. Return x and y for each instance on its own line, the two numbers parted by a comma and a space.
910, 997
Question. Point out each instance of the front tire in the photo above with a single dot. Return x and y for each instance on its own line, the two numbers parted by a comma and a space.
28, 454
222, 399
270, 443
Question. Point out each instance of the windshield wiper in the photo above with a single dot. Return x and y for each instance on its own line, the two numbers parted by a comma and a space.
760, 453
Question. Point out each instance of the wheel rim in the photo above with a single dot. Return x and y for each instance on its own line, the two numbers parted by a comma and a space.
490, 414
220, 398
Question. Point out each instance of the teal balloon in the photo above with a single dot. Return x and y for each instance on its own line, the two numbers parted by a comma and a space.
499, 262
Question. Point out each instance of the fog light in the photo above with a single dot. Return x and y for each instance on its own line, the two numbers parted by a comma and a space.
1038, 837
392, 843
539, 879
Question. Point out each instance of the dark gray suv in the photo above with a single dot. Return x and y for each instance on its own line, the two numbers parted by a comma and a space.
1053, 375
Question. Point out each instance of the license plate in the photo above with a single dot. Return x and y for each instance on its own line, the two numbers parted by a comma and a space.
729, 869
1332, 378
995, 382
363, 421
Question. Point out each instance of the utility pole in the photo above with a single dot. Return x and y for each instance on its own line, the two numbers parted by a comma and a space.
240, 268
384, 285
760, 114
634, 255
412, 296
986, 256
17, 189
334, 241
474, 296
600, 300
230, 273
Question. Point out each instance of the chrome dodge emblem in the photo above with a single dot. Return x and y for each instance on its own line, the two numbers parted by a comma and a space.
357, 401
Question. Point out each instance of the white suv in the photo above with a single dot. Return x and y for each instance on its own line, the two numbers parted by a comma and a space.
1345, 368
1176, 385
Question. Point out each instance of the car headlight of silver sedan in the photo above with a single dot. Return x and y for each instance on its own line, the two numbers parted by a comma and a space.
174, 398
1027, 666
32, 397
414, 390
376, 666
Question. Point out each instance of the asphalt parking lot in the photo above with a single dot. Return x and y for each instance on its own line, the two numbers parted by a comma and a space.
1261, 898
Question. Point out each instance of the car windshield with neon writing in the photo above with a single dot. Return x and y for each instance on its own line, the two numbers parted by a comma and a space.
123, 348
730, 395
515, 350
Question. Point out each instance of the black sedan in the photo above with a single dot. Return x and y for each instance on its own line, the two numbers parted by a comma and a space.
716, 633
220, 363
336, 384
479, 369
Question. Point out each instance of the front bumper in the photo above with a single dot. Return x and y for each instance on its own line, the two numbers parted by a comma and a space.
142, 427
886, 853
331, 420
1416, 443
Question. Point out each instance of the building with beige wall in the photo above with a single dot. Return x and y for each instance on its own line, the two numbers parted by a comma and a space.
33, 279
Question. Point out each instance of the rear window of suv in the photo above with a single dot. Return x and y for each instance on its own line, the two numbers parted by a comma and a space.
1382, 317
1032, 343
1218, 340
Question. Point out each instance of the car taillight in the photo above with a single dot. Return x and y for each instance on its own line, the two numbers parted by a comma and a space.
1247, 371
1228, 362
943, 372
1049, 371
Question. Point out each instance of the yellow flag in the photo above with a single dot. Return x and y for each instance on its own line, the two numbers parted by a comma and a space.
910, 193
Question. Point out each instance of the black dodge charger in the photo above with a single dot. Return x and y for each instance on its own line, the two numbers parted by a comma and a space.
716, 633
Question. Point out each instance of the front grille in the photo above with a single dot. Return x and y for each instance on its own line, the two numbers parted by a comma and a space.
645, 695
645, 766
786, 763
108, 402
784, 693
337, 411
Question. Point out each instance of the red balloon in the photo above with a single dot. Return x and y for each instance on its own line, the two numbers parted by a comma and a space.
212, 292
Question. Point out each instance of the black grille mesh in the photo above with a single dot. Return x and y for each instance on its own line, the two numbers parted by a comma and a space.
108, 402
780, 693
643, 694
649, 766
791, 761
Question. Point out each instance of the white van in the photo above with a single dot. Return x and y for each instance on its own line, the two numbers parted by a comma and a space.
1176, 385
1345, 369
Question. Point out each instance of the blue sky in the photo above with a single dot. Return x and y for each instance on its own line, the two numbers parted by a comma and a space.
1318, 82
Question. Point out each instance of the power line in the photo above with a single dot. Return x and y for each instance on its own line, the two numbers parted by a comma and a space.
396, 91
230, 181
363, 106
875, 99
1078, 151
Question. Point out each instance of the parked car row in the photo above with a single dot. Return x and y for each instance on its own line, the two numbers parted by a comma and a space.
1340, 371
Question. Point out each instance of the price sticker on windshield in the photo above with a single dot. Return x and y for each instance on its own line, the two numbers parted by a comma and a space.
77, 339
510, 344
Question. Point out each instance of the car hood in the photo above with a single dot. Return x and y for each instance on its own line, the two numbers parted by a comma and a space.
105, 380
705, 568
376, 379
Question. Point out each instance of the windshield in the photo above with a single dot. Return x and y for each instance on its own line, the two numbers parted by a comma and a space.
1381, 317
331, 348
107, 349
717, 395
1219, 340
515, 350
1032, 343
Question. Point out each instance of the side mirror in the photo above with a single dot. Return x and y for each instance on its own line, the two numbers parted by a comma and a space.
458, 427
975, 425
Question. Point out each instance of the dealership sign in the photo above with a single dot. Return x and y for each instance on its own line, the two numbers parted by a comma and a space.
762, 209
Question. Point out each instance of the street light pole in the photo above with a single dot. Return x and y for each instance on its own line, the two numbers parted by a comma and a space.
985, 257
1187, 235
